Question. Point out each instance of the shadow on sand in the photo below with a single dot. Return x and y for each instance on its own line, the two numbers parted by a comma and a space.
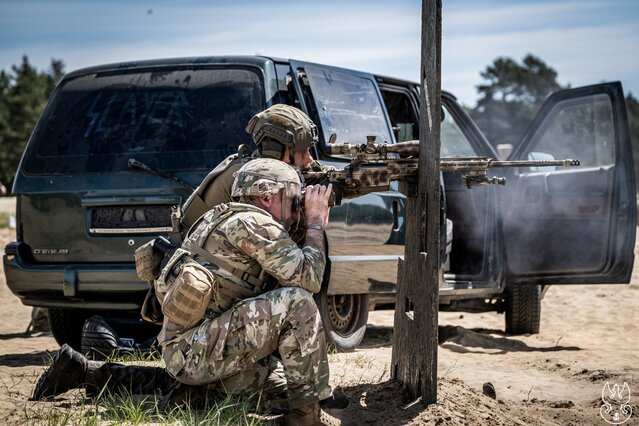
382, 403
463, 340
40, 358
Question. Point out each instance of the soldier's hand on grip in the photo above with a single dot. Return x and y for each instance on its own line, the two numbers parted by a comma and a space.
316, 204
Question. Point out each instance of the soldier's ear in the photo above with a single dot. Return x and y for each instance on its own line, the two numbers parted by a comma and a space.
265, 201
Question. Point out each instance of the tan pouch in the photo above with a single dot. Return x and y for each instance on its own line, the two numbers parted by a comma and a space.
186, 300
147, 261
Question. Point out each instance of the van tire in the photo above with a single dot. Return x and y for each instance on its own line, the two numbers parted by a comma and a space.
344, 317
66, 326
523, 309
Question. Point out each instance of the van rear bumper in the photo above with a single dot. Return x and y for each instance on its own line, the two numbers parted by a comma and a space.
113, 286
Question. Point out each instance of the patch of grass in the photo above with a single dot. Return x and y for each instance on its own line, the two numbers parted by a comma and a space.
331, 350
130, 409
363, 361
77, 412
136, 410
124, 408
138, 357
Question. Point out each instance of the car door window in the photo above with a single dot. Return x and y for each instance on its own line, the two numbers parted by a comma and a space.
453, 141
401, 112
579, 128
348, 105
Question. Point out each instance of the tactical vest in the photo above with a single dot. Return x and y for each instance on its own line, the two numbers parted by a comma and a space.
232, 283
195, 206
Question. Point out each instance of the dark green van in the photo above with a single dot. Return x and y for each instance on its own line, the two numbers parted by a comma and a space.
82, 210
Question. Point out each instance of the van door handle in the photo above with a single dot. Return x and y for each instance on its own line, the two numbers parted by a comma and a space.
395, 207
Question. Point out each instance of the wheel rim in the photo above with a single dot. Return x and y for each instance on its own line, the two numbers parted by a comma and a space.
343, 311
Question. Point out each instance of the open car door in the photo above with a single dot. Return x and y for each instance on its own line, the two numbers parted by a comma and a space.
577, 225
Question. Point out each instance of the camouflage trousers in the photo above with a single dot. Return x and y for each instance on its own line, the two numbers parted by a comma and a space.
235, 348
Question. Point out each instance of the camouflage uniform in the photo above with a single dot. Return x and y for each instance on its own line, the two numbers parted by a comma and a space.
238, 331
237, 334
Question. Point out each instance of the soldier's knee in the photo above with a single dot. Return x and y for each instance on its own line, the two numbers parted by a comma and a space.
301, 294
290, 300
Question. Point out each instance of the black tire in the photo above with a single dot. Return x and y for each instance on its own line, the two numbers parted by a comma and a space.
523, 309
345, 317
66, 326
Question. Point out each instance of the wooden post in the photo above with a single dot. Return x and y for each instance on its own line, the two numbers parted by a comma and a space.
414, 360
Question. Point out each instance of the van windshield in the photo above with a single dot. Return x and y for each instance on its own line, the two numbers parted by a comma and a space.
170, 119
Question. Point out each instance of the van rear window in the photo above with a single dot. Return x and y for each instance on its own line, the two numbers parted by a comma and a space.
170, 119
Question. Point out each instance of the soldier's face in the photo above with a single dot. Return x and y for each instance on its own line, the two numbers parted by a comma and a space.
281, 208
303, 160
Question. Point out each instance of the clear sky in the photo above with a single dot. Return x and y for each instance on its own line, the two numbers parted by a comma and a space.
586, 41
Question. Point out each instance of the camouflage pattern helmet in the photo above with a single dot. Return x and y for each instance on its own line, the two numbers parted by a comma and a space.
285, 124
264, 177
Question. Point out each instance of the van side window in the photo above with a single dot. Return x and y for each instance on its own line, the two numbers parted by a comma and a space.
453, 141
402, 114
580, 128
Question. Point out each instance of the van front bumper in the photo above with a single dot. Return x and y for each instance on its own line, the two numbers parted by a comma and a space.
112, 286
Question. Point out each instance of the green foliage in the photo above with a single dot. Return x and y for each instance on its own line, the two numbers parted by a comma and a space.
124, 408
4, 220
24, 92
512, 96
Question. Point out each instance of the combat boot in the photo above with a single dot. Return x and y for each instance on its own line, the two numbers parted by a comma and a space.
68, 371
310, 415
100, 341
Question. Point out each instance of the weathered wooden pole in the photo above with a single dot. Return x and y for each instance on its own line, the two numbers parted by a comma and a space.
414, 361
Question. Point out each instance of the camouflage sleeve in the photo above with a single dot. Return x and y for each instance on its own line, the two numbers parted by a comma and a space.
266, 241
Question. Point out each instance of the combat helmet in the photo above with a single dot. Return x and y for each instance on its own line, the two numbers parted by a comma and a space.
285, 124
264, 177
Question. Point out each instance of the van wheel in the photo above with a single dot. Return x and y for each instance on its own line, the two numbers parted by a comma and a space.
66, 326
345, 317
523, 309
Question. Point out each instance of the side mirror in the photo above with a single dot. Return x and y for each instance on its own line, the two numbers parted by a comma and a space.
504, 150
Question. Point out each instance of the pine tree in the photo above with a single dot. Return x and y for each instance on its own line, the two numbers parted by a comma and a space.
24, 92
512, 96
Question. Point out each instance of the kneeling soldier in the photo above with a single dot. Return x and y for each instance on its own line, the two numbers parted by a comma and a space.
236, 297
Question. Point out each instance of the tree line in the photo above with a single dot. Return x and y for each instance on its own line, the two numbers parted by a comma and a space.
24, 92
509, 96
513, 92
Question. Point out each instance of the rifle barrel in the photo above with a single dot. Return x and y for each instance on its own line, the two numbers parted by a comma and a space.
535, 163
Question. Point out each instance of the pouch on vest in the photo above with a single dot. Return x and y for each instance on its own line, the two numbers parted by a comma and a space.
186, 300
147, 261
149, 256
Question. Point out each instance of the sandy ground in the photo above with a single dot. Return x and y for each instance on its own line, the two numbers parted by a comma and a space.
588, 337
